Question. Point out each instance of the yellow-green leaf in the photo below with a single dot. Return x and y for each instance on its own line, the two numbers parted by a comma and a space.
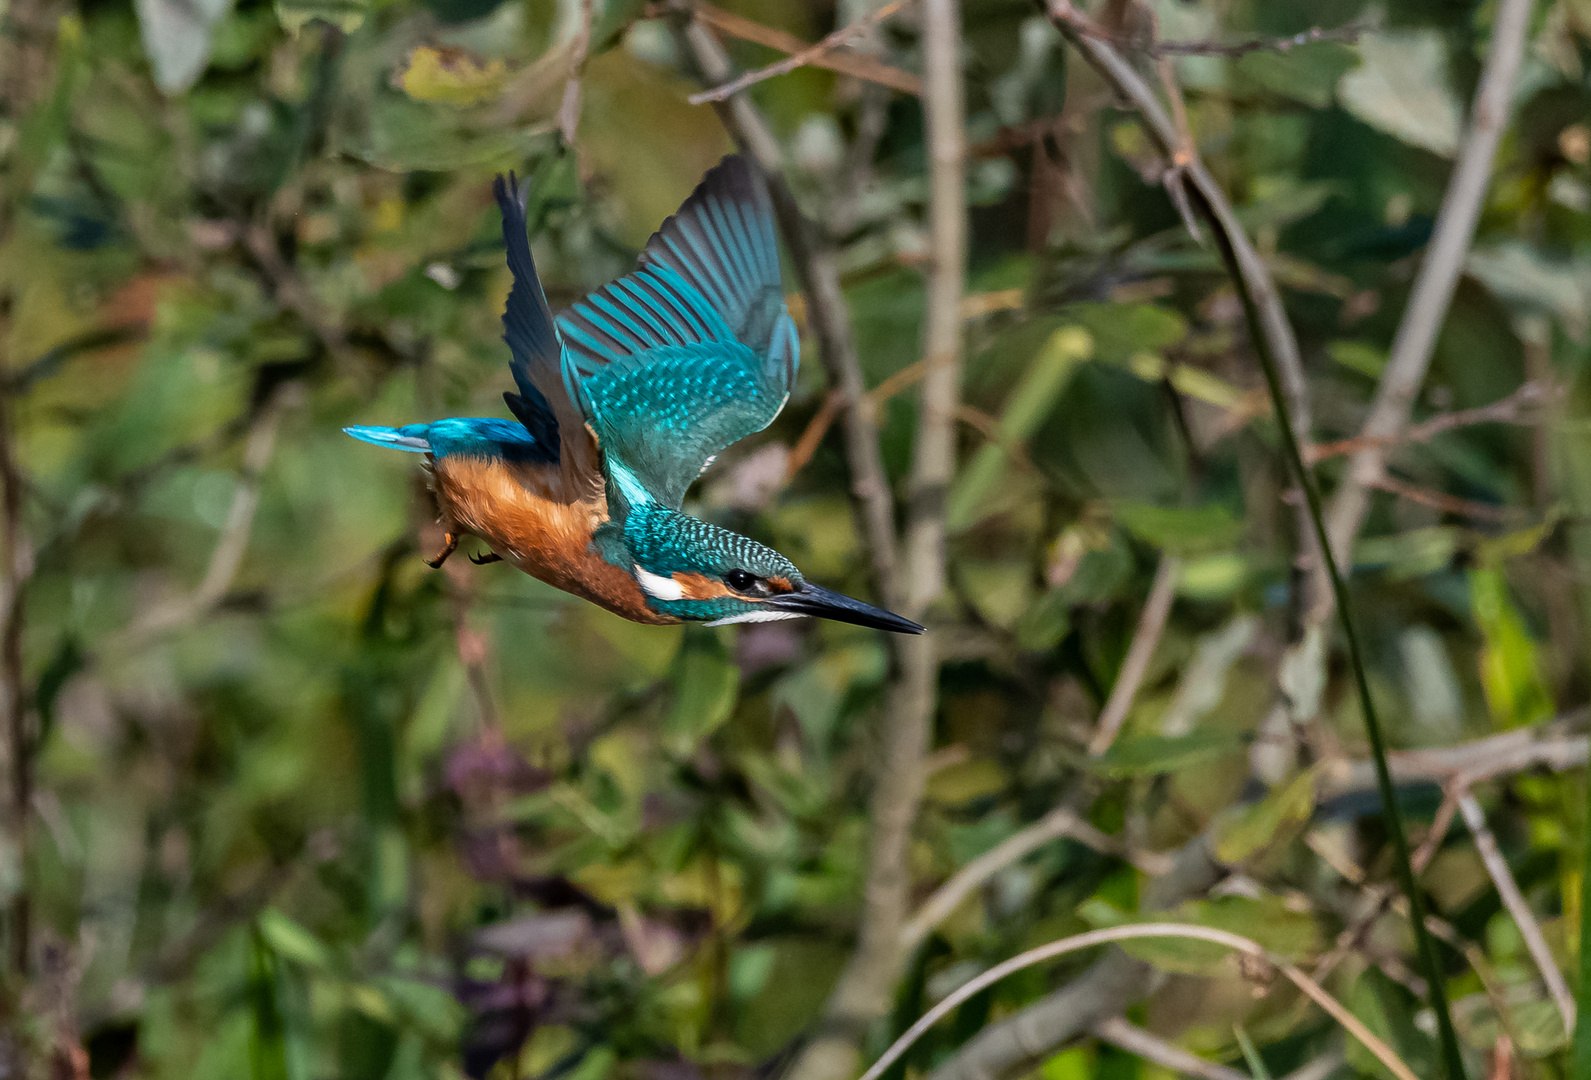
451, 76
1274, 820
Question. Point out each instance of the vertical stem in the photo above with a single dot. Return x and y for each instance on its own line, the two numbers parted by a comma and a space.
866, 987
13, 704
1447, 1036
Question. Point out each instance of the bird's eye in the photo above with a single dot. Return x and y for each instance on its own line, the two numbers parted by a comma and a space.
740, 580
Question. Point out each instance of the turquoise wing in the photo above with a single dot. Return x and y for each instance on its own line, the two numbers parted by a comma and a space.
692, 351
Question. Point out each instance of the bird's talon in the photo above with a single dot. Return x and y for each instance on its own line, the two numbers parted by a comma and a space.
488, 558
451, 543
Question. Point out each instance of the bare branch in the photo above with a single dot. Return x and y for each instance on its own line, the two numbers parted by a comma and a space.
866, 987
1151, 623
1135, 1040
1433, 288
227, 556
1447, 504
1517, 408
580, 45
812, 54
1514, 901
1551, 746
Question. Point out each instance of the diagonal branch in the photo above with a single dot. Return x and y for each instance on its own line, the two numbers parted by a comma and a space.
1514, 901
822, 54
1151, 623
226, 558
1433, 288
817, 270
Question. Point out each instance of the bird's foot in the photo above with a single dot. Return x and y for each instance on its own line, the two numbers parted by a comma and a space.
451, 543
488, 558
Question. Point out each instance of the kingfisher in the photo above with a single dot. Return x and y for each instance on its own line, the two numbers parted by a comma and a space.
620, 403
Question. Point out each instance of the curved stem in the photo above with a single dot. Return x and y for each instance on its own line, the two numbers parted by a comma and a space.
1078, 942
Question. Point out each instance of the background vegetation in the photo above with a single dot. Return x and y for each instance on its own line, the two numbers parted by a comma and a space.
284, 803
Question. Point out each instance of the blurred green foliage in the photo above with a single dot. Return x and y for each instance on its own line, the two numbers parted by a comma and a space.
306, 808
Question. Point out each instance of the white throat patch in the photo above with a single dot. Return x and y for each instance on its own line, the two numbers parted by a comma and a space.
658, 586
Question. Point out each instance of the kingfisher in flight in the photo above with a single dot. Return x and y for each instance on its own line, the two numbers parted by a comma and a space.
620, 404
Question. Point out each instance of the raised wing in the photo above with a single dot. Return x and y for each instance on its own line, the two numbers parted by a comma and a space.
542, 404
692, 351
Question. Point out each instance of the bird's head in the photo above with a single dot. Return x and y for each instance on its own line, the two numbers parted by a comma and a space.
691, 570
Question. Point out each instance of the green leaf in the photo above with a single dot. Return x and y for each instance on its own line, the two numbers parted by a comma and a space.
1196, 530
1026, 407
1149, 755
1307, 74
346, 15
1511, 673
1273, 821
706, 684
1358, 356
291, 940
451, 76
1402, 87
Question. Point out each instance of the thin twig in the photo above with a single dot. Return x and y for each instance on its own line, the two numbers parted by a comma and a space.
1514, 901
802, 58
1441, 500
845, 62
226, 558
1415, 341
1058, 823
1078, 942
580, 45
1154, 47
1516, 408
1151, 623
1135, 1040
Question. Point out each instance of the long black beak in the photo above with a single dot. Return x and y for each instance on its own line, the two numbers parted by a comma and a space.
823, 603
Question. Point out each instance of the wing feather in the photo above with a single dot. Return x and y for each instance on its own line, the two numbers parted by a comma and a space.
692, 351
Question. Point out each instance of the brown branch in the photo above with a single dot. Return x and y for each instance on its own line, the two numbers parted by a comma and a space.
1251, 276
1517, 408
1447, 504
1415, 341
821, 54
1151, 623
1514, 901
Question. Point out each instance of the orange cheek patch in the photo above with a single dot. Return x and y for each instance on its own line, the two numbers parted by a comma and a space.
780, 584
701, 587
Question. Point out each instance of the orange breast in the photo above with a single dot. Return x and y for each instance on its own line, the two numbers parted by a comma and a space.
532, 516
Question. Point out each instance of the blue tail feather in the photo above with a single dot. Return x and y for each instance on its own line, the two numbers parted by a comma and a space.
410, 437
467, 436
